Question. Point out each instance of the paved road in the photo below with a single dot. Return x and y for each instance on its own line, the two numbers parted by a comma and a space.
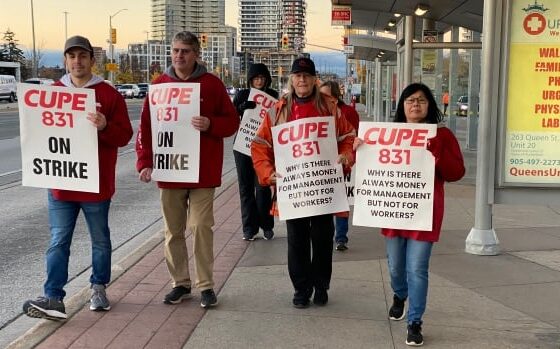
24, 222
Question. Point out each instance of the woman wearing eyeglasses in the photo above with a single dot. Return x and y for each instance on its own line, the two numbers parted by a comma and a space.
409, 251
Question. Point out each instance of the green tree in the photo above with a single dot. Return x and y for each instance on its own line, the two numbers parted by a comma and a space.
10, 52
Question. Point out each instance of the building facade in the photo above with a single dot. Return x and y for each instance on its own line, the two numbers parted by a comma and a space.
202, 17
272, 32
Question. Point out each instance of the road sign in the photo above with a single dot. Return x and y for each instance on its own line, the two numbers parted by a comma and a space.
112, 67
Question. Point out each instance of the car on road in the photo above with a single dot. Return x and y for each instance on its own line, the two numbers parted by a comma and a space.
39, 81
462, 106
129, 90
231, 90
8, 88
143, 86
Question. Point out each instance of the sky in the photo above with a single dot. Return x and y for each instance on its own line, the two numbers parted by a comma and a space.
91, 19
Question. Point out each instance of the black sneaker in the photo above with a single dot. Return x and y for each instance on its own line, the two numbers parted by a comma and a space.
249, 237
301, 299
396, 312
208, 298
268, 234
321, 297
177, 295
341, 246
414, 334
45, 308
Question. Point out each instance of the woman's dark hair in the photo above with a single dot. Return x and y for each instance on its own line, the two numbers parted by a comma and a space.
434, 114
334, 88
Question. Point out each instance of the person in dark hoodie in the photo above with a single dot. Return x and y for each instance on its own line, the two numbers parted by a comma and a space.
191, 204
256, 200
113, 131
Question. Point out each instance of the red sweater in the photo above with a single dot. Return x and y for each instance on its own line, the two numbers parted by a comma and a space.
216, 105
350, 114
449, 168
261, 148
116, 134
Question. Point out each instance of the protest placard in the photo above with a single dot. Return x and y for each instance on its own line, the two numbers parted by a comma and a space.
394, 176
58, 142
252, 119
175, 142
310, 181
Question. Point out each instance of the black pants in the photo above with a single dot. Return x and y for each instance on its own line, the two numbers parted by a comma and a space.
256, 200
310, 247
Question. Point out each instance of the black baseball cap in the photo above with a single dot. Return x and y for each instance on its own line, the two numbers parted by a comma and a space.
78, 41
303, 65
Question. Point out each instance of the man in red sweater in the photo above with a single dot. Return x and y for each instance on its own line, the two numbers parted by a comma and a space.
113, 131
218, 120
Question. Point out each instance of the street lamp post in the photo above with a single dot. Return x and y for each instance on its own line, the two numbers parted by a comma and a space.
111, 48
65, 25
147, 56
34, 67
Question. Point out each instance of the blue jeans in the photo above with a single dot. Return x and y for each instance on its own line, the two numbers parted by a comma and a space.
341, 229
409, 261
62, 220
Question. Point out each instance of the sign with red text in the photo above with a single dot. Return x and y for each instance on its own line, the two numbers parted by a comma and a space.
341, 15
175, 142
394, 176
58, 142
532, 154
252, 119
309, 180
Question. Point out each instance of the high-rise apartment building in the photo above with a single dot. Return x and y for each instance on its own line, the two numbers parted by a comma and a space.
263, 23
272, 32
201, 17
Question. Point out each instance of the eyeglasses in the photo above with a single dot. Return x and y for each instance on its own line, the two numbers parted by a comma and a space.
182, 51
418, 100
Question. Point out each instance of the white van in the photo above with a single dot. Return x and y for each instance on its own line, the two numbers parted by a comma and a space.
8, 88
40, 81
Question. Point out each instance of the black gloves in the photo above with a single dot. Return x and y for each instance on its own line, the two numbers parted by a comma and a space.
246, 105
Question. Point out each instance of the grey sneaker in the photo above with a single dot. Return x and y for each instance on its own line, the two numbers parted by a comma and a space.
45, 308
99, 301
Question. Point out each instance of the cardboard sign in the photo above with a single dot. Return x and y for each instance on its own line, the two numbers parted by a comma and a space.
310, 182
175, 142
252, 119
58, 142
394, 176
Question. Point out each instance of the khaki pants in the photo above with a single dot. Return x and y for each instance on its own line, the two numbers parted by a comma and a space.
193, 208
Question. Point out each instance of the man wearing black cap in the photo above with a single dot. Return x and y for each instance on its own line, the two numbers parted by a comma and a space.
113, 131
309, 238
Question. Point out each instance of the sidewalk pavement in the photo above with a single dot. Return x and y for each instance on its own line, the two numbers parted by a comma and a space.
507, 301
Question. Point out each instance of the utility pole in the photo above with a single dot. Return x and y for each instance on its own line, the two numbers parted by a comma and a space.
34, 68
111, 42
147, 56
65, 25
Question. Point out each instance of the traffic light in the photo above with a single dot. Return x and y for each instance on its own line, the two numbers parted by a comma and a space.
113, 35
203, 40
285, 42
